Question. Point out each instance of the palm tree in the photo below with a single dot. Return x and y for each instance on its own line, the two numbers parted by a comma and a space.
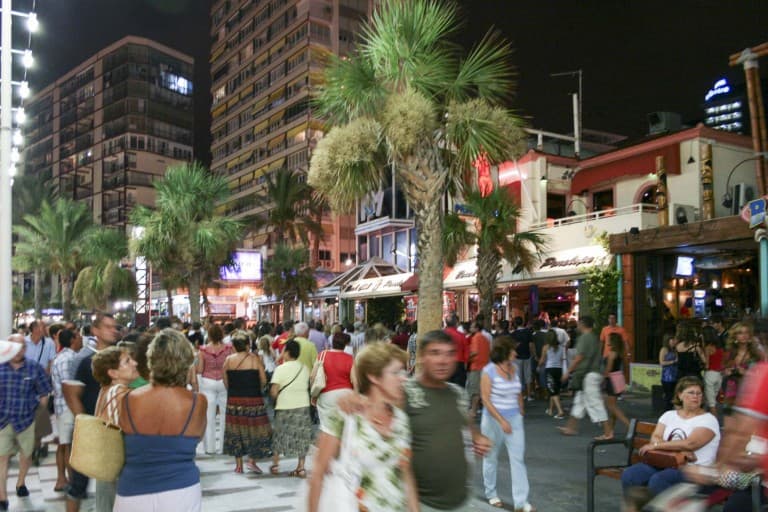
185, 234
31, 255
495, 234
59, 229
288, 276
292, 209
408, 98
104, 279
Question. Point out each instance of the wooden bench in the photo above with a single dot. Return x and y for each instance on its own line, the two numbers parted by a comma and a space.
638, 434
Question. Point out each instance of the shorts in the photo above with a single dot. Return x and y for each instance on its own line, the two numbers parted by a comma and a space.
12, 442
524, 371
473, 383
65, 423
554, 379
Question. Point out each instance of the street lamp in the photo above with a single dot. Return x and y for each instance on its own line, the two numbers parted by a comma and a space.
727, 197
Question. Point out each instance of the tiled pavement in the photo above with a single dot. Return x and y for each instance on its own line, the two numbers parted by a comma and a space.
556, 470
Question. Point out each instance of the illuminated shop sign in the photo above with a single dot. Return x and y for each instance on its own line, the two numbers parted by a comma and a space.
720, 87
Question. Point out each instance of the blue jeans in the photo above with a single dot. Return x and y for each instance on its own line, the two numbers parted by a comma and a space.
515, 444
657, 480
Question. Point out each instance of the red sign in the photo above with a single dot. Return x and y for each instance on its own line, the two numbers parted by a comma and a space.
411, 308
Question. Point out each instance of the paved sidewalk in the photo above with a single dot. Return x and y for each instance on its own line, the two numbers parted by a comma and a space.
556, 470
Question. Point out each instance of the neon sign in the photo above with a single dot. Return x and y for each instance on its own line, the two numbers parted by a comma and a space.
721, 87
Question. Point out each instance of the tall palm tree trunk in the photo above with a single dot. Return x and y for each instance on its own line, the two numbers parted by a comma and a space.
194, 297
169, 296
66, 296
430, 268
488, 267
38, 286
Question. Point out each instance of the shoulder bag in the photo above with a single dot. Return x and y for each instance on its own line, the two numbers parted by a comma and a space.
318, 378
664, 459
618, 382
340, 483
98, 449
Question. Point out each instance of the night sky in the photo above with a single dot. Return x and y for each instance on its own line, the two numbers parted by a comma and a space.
637, 56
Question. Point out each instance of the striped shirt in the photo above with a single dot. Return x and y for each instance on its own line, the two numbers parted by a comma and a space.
504, 393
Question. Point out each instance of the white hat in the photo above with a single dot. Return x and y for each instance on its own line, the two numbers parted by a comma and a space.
8, 350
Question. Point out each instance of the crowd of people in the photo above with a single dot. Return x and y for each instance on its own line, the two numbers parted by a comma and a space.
383, 408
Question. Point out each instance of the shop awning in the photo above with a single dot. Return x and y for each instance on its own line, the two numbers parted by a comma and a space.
555, 266
388, 286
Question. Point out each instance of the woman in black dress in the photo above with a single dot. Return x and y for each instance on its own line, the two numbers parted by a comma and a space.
613, 363
690, 352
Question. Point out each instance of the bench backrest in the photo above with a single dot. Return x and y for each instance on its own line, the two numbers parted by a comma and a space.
639, 435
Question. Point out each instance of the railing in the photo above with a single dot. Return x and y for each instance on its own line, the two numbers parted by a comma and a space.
593, 216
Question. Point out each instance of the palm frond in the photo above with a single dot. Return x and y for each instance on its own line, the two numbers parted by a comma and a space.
350, 89
486, 72
456, 237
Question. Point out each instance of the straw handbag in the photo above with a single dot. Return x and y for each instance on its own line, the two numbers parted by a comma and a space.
98, 450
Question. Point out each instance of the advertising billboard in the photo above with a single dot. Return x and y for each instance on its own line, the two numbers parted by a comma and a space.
247, 267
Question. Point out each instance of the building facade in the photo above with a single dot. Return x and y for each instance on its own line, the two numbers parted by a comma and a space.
104, 131
266, 57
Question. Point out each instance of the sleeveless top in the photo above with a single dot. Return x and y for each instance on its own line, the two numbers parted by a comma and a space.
504, 392
213, 362
158, 463
688, 364
669, 373
716, 360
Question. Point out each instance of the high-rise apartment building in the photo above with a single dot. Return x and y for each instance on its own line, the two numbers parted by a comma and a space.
109, 127
265, 58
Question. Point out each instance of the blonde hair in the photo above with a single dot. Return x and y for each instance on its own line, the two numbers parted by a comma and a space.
371, 361
265, 343
169, 358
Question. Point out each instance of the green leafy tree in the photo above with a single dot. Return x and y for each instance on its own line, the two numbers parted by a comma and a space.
60, 230
289, 277
494, 230
185, 235
31, 255
410, 98
104, 280
601, 284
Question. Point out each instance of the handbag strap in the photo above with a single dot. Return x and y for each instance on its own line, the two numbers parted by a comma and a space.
289, 383
112, 395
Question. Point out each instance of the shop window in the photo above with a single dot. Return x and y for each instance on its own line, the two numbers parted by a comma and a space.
602, 200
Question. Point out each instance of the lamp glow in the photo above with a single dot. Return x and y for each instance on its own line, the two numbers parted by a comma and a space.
20, 116
18, 139
32, 23
27, 60
15, 155
24, 90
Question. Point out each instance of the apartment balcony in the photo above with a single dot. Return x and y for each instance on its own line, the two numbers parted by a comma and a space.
580, 230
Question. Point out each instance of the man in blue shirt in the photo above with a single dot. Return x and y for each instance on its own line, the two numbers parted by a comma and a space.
23, 385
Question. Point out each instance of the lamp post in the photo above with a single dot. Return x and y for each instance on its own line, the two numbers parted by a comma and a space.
7, 157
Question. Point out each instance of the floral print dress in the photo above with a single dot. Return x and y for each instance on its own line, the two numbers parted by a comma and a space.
379, 460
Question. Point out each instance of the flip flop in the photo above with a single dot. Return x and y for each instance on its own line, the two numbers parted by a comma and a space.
253, 467
603, 437
300, 473
566, 431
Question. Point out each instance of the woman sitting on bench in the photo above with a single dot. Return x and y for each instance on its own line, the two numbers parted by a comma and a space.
688, 429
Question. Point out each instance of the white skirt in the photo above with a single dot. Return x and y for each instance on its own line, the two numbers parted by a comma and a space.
188, 499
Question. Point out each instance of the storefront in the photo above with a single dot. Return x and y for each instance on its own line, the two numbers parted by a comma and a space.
687, 272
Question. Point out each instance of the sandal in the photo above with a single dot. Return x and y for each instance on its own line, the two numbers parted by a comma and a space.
604, 437
566, 431
238, 469
495, 502
274, 469
299, 473
253, 467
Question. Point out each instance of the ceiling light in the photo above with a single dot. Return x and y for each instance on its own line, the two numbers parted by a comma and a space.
20, 116
24, 90
32, 23
18, 139
27, 60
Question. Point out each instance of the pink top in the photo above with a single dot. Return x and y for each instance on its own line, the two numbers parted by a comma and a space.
213, 362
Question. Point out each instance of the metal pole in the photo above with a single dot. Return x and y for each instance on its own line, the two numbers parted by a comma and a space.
576, 122
762, 238
6, 284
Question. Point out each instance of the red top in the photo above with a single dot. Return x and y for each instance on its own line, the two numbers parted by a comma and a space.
213, 361
753, 400
401, 340
462, 344
338, 369
716, 360
478, 344
277, 344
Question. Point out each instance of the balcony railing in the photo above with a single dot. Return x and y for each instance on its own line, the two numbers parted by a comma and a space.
632, 209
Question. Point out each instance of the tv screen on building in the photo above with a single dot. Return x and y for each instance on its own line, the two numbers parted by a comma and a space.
247, 267
684, 266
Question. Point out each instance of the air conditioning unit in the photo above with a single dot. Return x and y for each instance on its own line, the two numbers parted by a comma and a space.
742, 194
682, 214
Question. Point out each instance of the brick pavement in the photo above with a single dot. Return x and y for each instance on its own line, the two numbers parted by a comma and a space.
556, 470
